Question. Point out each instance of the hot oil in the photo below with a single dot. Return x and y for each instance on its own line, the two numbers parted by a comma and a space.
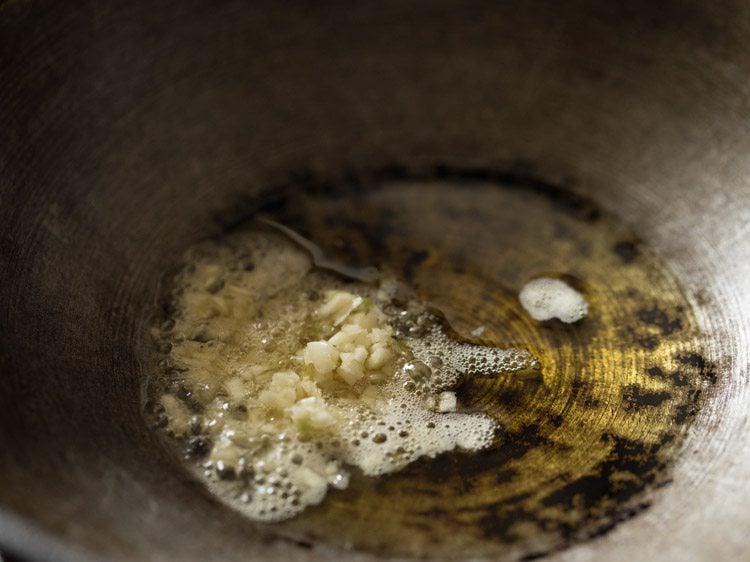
581, 445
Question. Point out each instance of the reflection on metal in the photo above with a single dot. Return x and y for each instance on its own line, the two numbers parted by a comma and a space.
581, 448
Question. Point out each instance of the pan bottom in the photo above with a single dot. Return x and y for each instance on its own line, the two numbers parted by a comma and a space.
582, 447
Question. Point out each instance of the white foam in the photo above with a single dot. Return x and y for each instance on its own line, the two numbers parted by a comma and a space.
546, 298
340, 393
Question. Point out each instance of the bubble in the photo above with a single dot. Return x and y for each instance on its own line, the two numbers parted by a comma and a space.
434, 361
417, 371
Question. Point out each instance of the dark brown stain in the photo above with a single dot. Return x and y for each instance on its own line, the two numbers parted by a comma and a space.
413, 261
648, 342
637, 398
707, 371
657, 317
626, 250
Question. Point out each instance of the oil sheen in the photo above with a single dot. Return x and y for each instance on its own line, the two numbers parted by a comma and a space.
290, 377
426, 411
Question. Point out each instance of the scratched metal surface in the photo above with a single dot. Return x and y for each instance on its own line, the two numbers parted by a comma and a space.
129, 131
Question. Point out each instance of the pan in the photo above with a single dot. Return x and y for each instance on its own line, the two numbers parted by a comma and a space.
468, 146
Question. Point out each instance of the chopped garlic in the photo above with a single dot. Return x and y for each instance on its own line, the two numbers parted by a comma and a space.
235, 387
282, 392
352, 368
311, 414
294, 389
178, 414
321, 355
447, 402
378, 357
339, 304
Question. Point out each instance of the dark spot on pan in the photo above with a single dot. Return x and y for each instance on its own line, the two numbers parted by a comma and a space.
667, 438
390, 172
506, 475
576, 386
498, 521
306, 545
521, 178
636, 460
582, 392
626, 250
658, 318
683, 413
510, 398
592, 403
707, 371
619, 518
656, 373
636, 397
585, 491
679, 378
648, 342
664, 483
626, 456
413, 261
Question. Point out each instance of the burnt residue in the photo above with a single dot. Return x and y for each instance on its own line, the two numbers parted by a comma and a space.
499, 522
656, 373
648, 342
626, 250
413, 261
707, 371
636, 398
658, 318
520, 176
356, 182
684, 413
624, 515
510, 398
582, 393
653, 324
630, 466
635, 459
677, 377
505, 475
513, 446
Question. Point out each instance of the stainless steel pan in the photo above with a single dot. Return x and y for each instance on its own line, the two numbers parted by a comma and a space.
130, 129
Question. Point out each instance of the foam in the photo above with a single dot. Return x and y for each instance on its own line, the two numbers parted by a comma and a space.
546, 298
300, 379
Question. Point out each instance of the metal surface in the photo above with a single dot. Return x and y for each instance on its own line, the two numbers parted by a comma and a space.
128, 131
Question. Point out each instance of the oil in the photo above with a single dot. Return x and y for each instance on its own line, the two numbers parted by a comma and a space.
579, 447
285, 377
